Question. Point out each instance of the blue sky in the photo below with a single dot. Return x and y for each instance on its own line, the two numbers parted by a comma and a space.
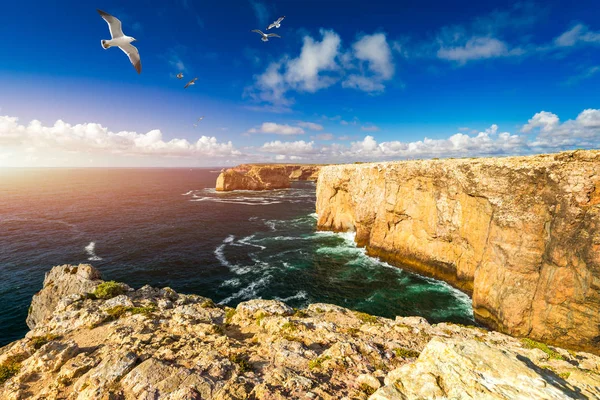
348, 80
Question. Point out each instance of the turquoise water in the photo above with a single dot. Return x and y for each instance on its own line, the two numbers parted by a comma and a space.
168, 227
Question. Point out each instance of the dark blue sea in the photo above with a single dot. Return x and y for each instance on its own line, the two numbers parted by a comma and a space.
168, 227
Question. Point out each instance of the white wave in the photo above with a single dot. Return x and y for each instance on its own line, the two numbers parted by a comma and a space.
314, 215
90, 250
298, 296
247, 243
229, 239
188, 193
231, 283
271, 225
250, 291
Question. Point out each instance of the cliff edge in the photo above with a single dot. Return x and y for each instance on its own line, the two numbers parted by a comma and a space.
109, 341
520, 234
265, 176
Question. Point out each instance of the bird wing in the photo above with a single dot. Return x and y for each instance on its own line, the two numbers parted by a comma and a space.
134, 56
280, 19
273, 35
190, 83
259, 31
114, 25
272, 26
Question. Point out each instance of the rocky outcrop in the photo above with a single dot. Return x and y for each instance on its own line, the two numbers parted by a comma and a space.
521, 234
58, 283
265, 176
158, 344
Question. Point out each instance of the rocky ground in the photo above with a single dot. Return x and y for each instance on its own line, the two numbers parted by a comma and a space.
103, 340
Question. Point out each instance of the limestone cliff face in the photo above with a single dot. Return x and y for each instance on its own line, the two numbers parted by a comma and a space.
105, 340
265, 176
521, 234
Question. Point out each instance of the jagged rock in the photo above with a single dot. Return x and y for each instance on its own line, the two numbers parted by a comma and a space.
263, 349
58, 283
522, 234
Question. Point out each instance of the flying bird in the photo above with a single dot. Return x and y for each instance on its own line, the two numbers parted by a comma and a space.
276, 24
201, 118
190, 83
180, 75
265, 36
120, 40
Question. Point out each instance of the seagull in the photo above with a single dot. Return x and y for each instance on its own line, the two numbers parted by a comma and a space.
180, 75
201, 118
120, 40
190, 83
277, 23
265, 36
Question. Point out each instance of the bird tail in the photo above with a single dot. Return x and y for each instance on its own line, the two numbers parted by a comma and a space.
105, 44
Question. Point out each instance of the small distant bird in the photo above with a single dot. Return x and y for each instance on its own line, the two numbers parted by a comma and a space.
201, 118
190, 83
265, 36
180, 75
120, 40
276, 24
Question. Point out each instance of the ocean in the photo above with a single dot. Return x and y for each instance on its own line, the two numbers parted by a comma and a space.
169, 227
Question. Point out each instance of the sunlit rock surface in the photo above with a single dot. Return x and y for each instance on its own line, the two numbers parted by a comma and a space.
265, 176
521, 234
158, 344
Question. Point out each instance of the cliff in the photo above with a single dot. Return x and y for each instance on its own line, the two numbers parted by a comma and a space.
520, 234
265, 176
105, 340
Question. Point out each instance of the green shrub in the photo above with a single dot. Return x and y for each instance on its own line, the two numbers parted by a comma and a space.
38, 341
532, 344
8, 369
405, 353
241, 362
366, 318
146, 311
229, 313
207, 304
289, 326
366, 389
108, 290
317, 363
300, 313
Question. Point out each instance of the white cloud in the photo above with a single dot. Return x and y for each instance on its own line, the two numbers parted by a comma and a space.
577, 35
477, 48
369, 128
311, 125
324, 136
304, 73
93, 137
552, 135
375, 51
261, 12
277, 129
547, 121
323, 63
289, 148
586, 74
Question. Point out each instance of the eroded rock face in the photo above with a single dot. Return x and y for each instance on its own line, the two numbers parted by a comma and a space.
521, 234
58, 283
158, 344
265, 176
